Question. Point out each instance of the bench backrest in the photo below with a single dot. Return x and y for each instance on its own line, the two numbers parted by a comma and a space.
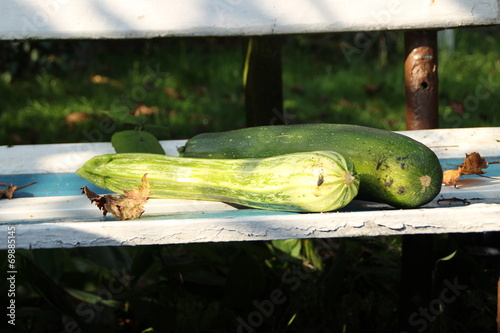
68, 19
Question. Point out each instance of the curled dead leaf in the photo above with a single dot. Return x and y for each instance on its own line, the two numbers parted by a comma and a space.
473, 164
9, 192
450, 177
127, 207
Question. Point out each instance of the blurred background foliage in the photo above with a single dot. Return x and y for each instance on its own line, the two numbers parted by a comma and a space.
313, 285
85, 91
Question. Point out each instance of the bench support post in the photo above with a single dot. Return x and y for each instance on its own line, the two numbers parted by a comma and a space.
417, 263
421, 88
498, 305
263, 82
421, 79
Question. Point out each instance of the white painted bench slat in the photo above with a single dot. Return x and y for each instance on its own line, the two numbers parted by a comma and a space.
147, 231
68, 221
154, 18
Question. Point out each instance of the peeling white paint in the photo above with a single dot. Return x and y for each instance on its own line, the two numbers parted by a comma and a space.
154, 18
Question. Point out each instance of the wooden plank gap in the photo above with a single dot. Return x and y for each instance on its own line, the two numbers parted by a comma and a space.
263, 82
498, 305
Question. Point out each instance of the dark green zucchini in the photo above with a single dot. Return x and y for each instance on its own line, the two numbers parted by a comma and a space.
394, 169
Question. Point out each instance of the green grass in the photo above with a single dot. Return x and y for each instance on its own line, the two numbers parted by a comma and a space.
196, 85
189, 92
470, 76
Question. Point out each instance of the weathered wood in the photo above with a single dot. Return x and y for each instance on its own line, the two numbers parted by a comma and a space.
76, 206
241, 226
456, 142
263, 81
59, 158
54, 19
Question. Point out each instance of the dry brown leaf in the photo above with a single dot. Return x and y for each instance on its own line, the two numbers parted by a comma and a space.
472, 165
75, 118
127, 207
142, 109
457, 107
99, 79
450, 177
171, 92
9, 192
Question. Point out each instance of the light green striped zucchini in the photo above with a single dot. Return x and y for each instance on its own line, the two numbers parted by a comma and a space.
300, 182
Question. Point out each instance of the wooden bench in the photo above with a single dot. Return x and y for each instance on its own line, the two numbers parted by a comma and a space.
53, 214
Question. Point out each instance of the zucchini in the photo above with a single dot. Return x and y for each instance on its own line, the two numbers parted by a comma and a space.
393, 168
300, 182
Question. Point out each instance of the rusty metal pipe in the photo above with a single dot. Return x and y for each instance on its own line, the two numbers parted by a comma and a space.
421, 79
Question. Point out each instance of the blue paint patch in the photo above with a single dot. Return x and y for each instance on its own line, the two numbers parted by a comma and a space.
50, 184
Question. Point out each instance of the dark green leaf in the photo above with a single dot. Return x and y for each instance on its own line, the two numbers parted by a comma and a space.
136, 142
245, 281
112, 258
448, 257
126, 118
291, 247
93, 299
311, 253
49, 290
154, 128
